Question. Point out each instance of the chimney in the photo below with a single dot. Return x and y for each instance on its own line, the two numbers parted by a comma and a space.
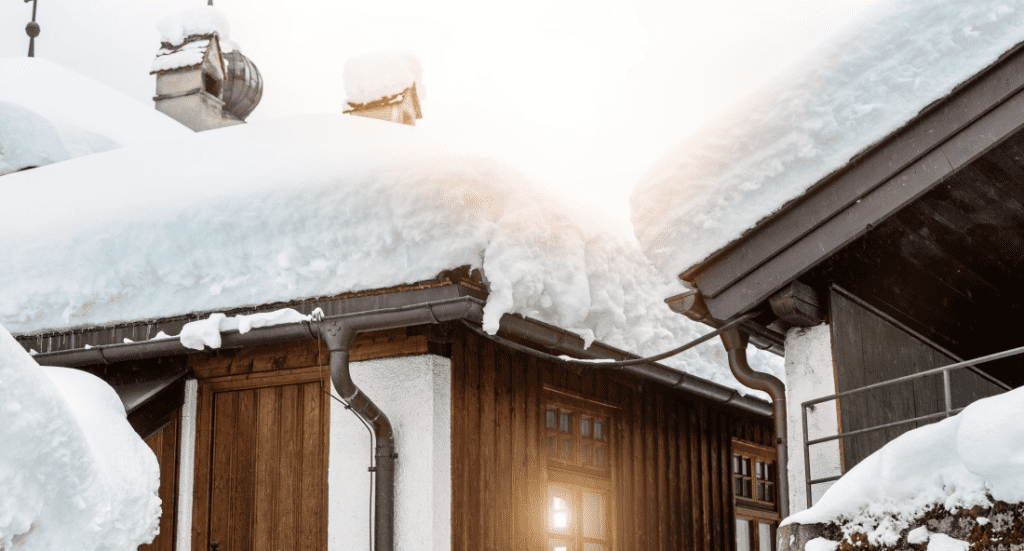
386, 86
201, 80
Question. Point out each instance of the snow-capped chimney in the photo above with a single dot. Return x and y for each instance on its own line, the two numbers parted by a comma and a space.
201, 80
385, 85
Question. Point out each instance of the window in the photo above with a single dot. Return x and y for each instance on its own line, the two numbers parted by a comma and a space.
754, 496
579, 499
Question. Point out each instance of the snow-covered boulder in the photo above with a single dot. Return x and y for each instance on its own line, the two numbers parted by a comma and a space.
73, 473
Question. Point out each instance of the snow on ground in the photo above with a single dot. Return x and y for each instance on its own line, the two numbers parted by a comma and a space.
956, 463
50, 114
854, 91
316, 206
74, 473
377, 75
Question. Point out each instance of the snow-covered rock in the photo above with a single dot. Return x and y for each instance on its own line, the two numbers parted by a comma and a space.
957, 463
73, 473
855, 90
317, 206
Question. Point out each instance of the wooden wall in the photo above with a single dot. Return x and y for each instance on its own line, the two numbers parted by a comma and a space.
671, 458
867, 348
164, 444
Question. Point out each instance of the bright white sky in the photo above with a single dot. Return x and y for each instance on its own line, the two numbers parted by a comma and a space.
587, 94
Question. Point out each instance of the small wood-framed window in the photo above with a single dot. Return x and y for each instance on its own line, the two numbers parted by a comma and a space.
577, 436
755, 499
578, 441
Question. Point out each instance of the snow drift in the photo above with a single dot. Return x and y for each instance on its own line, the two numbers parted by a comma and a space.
317, 206
857, 89
73, 472
50, 114
957, 463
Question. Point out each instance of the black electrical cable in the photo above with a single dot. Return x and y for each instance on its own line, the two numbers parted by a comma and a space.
620, 363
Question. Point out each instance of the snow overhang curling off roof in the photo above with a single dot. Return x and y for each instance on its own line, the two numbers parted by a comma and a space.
723, 184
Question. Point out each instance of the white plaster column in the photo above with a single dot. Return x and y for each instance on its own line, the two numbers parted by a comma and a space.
810, 374
186, 466
415, 393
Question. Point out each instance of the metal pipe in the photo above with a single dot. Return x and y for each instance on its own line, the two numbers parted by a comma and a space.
735, 342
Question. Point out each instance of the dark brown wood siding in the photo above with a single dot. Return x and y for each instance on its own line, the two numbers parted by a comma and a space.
165, 444
670, 455
867, 349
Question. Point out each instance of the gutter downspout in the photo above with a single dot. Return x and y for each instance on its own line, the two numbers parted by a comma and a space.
735, 343
340, 332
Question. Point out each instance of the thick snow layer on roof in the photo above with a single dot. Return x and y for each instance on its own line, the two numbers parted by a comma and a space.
187, 55
194, 21
956, 463
854, 91
50, 114
374, 76
316, 206
74, 474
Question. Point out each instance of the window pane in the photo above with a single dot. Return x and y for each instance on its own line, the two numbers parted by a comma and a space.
760, 491
552, 446
566, 449
743, 535
599, 430
555, 545
564, 422
736, 464
746, 488
765, 541
769, 472
593, 547
559, 504
759, 470
600, 456
550, 415
769, 491
585, 427
737, 485
558, 514
593, 516
588, 454
746, 466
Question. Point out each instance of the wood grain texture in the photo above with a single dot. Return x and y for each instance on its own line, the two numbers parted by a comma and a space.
165, 445
670, 456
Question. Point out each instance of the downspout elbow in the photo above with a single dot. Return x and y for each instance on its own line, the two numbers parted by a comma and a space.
339, 337
735, 342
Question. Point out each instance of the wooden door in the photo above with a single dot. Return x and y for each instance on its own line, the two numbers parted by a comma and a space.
164, 444
261, 464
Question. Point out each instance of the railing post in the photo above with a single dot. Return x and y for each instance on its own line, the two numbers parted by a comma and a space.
807, 456
948, 391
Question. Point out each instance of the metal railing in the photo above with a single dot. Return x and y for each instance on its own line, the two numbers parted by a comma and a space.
947, 411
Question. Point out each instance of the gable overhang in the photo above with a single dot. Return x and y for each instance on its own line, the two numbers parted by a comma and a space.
944, 138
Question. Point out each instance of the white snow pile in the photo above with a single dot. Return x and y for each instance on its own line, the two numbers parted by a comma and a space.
316, 206
957, 463
854, 91
73, 472
50, 114
194, 21
197, 334
377, 75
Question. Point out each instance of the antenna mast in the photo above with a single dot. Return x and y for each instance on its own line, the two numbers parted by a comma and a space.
32, 30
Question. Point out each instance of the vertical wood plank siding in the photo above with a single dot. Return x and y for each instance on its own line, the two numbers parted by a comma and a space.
869, 349
164, 444
671, 456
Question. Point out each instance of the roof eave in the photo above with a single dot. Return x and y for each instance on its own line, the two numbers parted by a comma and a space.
914, 158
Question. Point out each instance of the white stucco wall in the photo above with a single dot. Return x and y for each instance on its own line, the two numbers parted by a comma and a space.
415, 393
186, 466
810, 374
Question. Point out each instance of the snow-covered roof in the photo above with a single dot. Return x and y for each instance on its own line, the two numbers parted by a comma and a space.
74, 473
50, 114
375, 76
182, 56
317, 206
958, 463
197, 21
855, 90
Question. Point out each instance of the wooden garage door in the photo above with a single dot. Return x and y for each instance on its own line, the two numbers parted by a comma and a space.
261, 465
